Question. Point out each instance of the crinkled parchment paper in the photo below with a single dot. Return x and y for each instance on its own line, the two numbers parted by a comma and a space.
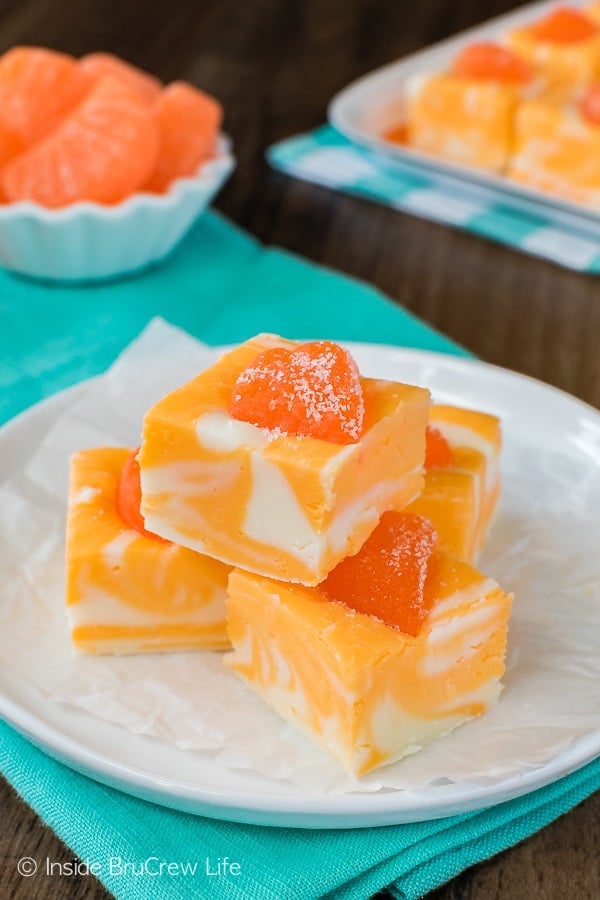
544, 546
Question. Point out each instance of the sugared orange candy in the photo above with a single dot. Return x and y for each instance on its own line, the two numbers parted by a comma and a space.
564, 25
129, 496
103, 151
387, 577
438, 454
589, 104
188, 122
312, 390
38, 87
486, 61
98, 65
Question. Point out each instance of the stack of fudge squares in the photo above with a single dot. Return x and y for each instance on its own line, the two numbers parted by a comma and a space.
320, 525
526, 107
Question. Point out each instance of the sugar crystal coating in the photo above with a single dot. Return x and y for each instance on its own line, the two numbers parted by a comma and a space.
313, 390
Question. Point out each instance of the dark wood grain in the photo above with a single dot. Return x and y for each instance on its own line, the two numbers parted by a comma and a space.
275, 65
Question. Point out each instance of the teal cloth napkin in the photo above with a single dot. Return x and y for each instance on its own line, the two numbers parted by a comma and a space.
326, 157
222, 286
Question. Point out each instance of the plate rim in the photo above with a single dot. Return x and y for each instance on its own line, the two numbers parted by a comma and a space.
349, 810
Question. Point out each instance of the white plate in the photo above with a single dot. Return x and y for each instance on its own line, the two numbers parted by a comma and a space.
189, 781
366, 107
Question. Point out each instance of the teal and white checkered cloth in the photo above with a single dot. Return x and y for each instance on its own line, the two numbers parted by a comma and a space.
326, 157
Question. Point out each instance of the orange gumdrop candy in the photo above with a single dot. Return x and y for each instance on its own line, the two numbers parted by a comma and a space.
312, 390
38, 87
438, 454
564, 25
589, 104
102, 152
129, 496
188, 121
486, 61
387, 577
98, 65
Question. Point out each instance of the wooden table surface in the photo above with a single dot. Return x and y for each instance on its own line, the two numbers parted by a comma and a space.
275, 65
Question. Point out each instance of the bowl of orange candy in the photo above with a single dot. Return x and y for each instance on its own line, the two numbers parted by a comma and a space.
103, 169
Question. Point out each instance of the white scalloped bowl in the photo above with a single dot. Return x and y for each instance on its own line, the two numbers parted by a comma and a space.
88, 241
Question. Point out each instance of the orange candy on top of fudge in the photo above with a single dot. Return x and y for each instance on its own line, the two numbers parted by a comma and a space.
312, 390
438, 453
129, 497
387, 578
564, 25
486, 60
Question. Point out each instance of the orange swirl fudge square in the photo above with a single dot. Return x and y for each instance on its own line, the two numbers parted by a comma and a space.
465, 115
269, 501
462, 488
365, 690
557, 148
462, 122
563, 47
128, 591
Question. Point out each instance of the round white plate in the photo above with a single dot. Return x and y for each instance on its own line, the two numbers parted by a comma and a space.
533, 415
